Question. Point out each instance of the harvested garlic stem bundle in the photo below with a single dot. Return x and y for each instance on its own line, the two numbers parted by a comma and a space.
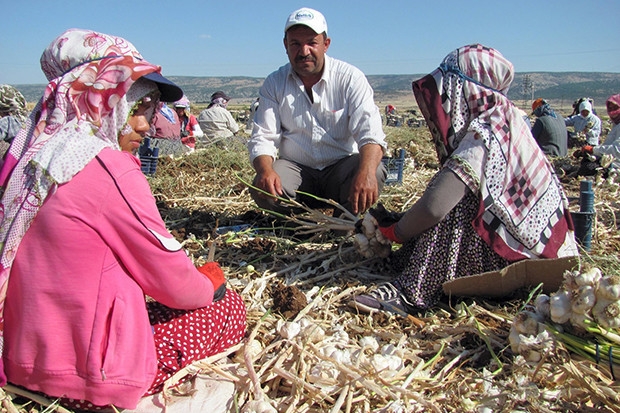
369, 225
370, 242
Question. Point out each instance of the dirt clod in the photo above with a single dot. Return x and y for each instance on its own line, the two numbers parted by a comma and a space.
288, 300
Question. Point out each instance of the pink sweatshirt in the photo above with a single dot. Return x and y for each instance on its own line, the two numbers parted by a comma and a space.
76, 323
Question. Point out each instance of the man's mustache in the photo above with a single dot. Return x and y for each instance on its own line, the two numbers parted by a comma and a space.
305, 59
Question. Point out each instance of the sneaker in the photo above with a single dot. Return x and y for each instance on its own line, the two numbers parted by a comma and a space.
385, 297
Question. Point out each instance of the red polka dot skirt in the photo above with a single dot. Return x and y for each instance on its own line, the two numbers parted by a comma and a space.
182, 337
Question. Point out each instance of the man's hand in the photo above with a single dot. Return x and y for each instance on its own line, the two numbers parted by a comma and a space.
267, 178
364, 191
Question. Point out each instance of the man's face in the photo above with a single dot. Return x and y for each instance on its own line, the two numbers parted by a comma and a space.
306, 50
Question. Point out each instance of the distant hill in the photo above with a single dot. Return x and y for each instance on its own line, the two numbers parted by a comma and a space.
561, 88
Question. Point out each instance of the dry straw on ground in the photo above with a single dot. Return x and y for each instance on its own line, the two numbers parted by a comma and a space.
307, 350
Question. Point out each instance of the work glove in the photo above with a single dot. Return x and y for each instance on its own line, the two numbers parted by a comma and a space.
384, 217
387, 222
389, 232
188, 140
583, 151
214, 273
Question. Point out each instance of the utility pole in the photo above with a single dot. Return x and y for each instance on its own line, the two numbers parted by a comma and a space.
527, 88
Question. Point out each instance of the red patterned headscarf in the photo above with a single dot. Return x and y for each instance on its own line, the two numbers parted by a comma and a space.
523, 209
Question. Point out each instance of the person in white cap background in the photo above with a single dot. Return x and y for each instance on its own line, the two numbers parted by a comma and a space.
587, 122
317, 128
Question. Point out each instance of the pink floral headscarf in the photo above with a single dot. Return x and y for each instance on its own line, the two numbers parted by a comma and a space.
613, 108
83, 109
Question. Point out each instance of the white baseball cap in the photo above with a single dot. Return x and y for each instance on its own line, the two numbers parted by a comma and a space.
308, 17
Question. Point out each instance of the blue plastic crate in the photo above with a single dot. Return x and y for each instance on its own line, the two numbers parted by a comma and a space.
394, 168
148, 157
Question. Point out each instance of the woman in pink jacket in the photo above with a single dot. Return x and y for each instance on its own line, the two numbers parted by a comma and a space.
82, 241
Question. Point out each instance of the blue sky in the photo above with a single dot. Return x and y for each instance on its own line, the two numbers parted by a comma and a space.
244, 38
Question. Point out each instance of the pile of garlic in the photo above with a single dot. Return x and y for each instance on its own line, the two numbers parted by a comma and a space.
583, 297
338, 350
587, 296
371, 242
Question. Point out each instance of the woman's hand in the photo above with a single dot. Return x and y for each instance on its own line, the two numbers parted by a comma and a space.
214, 273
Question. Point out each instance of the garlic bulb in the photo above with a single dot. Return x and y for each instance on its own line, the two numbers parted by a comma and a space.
583, 299
570, 283
560, 306
579, 319
527, 322
362, 245
340, 336
590, 277
253, 348
369, 342
532, 348
609, 287
514, 338
288, 329
311, 332
388, 365
369, 225
607, 312
324, 375
543, 306
258, 406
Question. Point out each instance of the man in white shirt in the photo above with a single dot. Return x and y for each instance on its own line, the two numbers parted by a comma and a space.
317, 128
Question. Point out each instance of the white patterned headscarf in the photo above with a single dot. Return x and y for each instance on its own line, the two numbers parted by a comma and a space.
523, 209
93, 86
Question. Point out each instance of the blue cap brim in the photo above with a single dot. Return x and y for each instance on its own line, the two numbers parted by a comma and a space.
169, 91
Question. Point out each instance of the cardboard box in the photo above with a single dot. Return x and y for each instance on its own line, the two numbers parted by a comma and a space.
526, 273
